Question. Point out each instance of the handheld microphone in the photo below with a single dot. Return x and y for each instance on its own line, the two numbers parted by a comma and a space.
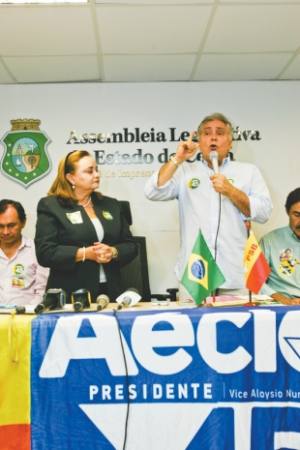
102, 301
213, 156
81, 299
129, 298
52, 299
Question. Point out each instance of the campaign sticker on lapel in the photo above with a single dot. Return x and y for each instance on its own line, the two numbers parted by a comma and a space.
107, 215
75, 217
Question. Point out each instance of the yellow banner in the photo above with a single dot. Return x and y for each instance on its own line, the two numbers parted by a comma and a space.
15, 345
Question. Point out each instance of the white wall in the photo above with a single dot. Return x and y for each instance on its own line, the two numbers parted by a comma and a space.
272, 108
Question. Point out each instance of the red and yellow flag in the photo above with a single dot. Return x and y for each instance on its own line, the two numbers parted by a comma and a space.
257, 269
15, 338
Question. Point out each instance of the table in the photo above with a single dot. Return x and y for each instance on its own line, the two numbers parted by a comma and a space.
142, 379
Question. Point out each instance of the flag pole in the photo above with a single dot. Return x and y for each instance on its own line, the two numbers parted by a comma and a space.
248, 228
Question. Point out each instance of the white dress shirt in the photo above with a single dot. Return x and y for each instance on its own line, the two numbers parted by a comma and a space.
199, 209
22, 280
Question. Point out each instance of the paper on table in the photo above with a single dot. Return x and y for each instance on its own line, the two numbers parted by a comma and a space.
231, 300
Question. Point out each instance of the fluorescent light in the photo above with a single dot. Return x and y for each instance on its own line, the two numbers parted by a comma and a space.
44, 2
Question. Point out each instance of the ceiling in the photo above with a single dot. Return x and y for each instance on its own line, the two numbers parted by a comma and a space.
145, 41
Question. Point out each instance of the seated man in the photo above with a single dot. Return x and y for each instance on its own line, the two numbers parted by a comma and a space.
282, 250
22, 279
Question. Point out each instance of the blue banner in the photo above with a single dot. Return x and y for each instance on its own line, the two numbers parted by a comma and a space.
224, 379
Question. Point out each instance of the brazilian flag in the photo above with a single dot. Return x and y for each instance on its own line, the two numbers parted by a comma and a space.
202, 274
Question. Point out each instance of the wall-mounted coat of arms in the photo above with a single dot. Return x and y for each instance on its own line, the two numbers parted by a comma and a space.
26, 158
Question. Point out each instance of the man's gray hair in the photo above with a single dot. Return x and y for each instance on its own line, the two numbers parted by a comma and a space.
216, 116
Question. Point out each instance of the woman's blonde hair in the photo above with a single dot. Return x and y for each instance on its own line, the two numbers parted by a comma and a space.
61, 187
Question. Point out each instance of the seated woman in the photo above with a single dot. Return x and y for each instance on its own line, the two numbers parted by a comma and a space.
81, 234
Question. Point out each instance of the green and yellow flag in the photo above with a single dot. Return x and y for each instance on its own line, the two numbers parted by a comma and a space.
202, 274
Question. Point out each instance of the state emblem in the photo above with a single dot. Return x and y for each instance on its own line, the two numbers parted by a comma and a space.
25, 159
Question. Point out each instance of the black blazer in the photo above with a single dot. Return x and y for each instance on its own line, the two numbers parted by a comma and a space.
59, 235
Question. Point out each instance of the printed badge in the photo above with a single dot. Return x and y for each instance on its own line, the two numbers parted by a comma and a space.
18, 276
287, 262
193, 183
75, 217
107, 215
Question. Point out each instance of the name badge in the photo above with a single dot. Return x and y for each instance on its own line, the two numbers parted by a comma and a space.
75, 217
107, 215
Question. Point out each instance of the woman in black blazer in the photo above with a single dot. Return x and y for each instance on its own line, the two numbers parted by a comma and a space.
81, 234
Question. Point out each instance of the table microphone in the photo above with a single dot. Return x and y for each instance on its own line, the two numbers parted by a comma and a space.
160, 299
81, 299
26, 309
129, 298
213, 156
52, 299
20, 309
173, 294
160, 296
102, 301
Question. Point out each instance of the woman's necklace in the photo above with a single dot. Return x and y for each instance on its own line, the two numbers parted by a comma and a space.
86, 203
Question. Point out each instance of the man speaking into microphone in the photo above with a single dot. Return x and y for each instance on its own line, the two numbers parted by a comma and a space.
215, 194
